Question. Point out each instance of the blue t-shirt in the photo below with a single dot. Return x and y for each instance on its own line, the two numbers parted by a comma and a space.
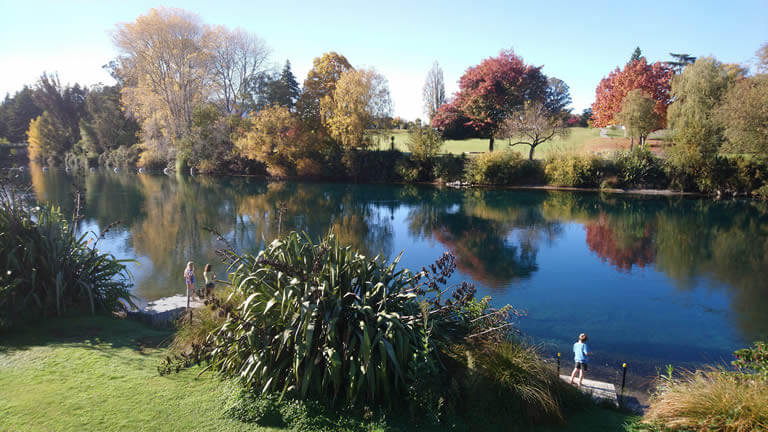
580, 351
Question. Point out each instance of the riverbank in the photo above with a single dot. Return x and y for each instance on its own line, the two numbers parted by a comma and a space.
100, 373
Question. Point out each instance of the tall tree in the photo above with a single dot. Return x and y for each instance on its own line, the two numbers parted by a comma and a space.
105, 126
533, 125
18, 111
639, 116
744, 115
697, 92
237, 59
680, 61
558, 96
165, 61
65, 106
762, 58
360, 98
654, 79
319, 85
433, 91
636, 55
490, 91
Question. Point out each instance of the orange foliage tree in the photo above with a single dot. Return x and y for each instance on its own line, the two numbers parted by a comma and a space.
654, 79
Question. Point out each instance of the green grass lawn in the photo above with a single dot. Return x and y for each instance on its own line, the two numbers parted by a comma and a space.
573, 143
100, 374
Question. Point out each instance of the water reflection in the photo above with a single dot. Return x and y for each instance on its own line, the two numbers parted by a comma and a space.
700, 262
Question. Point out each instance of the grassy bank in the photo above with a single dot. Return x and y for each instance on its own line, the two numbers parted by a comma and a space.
98, 373
575, 142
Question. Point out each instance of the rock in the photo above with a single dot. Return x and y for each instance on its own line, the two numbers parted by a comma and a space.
163, 312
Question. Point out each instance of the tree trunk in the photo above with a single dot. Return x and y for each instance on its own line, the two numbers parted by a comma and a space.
490, 144
631, 143
530, 153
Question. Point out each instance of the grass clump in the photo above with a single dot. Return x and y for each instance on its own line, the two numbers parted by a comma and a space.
710, 400
47, 268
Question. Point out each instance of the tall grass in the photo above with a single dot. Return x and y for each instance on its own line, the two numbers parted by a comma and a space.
711, 400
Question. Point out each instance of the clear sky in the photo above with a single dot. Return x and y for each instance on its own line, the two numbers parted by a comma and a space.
576, 41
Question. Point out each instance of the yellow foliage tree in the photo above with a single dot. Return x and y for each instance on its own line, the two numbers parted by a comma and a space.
165, 62
33, 138
361, 96
320, 85
275, 137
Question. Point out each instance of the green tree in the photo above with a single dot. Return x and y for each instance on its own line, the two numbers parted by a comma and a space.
680, 61
696, 93
639, 116
17, 112
637, 54
744, 116
105, 126
424, 142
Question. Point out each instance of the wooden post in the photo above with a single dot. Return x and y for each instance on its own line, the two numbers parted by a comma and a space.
623, 382
558, 364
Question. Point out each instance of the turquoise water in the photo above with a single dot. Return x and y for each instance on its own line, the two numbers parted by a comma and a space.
652, 280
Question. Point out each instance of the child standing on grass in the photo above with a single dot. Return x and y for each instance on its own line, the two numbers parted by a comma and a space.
580, 356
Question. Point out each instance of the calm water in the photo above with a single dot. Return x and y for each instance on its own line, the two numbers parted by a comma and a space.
653, 280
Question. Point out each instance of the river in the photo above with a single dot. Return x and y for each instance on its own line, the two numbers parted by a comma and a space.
653, 280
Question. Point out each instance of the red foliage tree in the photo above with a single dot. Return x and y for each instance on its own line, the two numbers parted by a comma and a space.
491, 90
654, 79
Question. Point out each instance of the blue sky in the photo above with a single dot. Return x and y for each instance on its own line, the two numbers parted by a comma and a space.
578, 42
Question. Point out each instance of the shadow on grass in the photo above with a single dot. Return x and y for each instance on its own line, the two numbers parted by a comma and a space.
98, 332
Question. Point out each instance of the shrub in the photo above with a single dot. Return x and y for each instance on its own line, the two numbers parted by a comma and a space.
424, 142
753, 360
710, 400
370, 165
447, 168
323, 321
48, 269
502, 168
574, 171
641, 169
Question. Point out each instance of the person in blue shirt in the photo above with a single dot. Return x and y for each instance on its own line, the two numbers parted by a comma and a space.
580, 357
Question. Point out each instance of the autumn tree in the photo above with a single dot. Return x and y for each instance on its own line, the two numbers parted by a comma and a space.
654, 79
533, 125
744, 116
165, 62
360, 97
490, 91
433, 92
237, 58
319, 86
639, 116
275, 136
46, 142
697, 93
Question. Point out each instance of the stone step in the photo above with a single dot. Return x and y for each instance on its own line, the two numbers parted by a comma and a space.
598, 389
